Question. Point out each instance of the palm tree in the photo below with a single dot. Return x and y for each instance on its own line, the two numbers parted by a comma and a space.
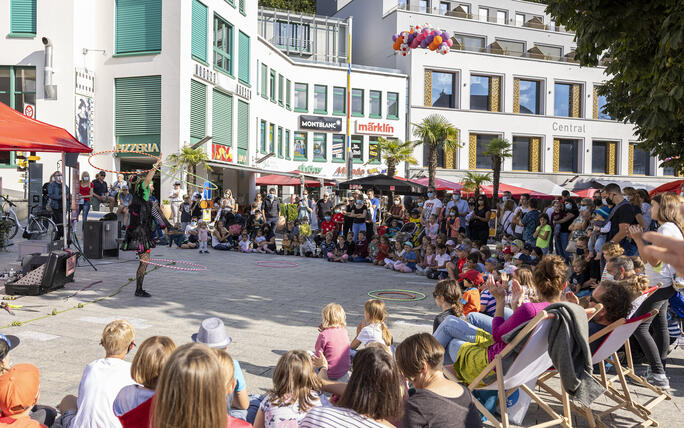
498, 149
435, 131
189, 158
394, 152
473, 181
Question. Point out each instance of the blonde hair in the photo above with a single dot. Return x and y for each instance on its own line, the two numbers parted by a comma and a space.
295, 381
376, 312
525, 277
191, 391
227, 364
668, 209
117, 337
150, 360
333, 316
611, 249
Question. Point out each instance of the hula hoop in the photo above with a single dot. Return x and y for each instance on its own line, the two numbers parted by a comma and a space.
414, 296
122, 151
275, 264
197, 267
213, 185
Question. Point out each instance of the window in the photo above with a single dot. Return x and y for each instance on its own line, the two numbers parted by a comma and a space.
23, 17
479, 92
301, 96
392, 105
373, 151
292, 36
339, 100
281, 89
264, 80
521, 154
280, 142
567, 155
17, 90
319, 146
300, 146
223, 45
242, 7
519, 19
422, 6
484, 14
602, 114
138, 26
501, 16
443, 7
551, 51
137, 110
222, 118
198, 111
199, 31
288, 94
320, 99
511, 47
375, 104
262, 135
243, 58
357, 102
357, 148
483, 161
641, 161
599, 156
338, 148
271, 139
272, 86
668, 171
562, 99
530, 97
443, 89
470, 43
287, 144
242, 131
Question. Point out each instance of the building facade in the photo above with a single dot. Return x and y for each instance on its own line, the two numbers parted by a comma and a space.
511, 73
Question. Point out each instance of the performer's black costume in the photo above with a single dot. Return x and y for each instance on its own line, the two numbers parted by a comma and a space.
139, 231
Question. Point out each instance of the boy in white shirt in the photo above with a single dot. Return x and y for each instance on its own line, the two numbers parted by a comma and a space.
101, 382
441, 259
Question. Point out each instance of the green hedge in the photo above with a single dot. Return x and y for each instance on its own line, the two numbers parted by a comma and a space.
289, 211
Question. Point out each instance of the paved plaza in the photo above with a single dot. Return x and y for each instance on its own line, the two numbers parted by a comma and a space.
267, 311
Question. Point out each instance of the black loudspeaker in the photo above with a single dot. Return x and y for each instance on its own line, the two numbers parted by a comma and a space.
57, 270
35, 187
92, 240
71, 160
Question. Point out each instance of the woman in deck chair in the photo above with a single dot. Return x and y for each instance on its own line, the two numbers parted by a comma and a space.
470, 349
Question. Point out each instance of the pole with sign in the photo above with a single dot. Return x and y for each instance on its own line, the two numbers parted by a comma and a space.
349, 53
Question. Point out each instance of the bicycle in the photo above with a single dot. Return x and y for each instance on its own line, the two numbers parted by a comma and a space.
39, 226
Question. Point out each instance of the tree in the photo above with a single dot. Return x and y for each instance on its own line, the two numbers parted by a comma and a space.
307, 6
394, 152
435, 131
499, 149
189, 158
473, 181
642, 44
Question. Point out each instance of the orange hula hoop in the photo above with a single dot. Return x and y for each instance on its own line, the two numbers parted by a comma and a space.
122, 151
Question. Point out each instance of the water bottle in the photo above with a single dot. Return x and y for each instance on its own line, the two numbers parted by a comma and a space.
11, 272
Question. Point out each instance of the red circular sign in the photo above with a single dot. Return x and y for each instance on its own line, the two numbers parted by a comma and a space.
28, 111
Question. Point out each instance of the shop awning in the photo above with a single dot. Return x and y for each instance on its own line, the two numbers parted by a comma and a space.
586, 193
21, 133
538, 185
283, 180
672, 186
516, 191
440, 184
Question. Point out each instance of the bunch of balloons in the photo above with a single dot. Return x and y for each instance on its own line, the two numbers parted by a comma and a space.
424, 37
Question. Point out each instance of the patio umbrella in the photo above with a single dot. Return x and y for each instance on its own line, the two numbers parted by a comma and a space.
672, 186
440, 184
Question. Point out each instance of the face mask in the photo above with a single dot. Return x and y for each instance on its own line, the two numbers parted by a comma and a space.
430, 194
397, 202
605, 201
58, 178
194, 223
305, 196
337, 211
505, 198
568, 206
327, 218
271, 196
456, 197
86, 178
609, 277
584, 208
420, 204
452, 213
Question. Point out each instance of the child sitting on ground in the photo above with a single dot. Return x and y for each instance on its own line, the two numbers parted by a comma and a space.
407, 263
245, 245
340, 253
447, 296
441, 260
432, 228
262, 243
286, 246
373, 249
395, 256
580, 282
383, 251
427, 262
373, 328
338, 219
471, 280
351, 246
328, 246
360, 248
304, 228
333, 341
306, 247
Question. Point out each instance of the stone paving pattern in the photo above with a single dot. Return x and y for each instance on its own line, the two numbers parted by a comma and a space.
267, 311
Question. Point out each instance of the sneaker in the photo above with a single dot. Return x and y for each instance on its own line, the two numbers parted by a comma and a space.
142, 293
658, 380
206, 251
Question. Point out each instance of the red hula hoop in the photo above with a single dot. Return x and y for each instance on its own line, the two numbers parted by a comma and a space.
197, 267
121, 151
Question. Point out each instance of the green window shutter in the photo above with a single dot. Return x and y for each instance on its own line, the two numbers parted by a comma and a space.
222, 118
138, 26
264, 80
287, 144
23, 16
242, 7
137, 106
242, 131
198, 111
243, 57
199, 31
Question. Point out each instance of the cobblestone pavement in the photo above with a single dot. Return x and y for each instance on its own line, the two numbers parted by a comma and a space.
267, 311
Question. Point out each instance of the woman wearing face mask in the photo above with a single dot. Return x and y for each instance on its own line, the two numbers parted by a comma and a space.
55, 194
563, 215
397, 211
479, 221
358, 214
579, 226
85, 192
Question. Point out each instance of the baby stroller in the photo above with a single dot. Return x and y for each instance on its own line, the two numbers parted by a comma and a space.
412, 232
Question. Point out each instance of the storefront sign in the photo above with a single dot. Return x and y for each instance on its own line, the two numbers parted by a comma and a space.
205, 74
320, 123
221, 153
373, 127
243, 91
357, 149
151, 148
309, 169
358, 172
569, 127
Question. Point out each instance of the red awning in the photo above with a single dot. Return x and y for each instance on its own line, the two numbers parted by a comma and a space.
586, 193
19, 132
284, 180
672, 186
516, 191
440, 184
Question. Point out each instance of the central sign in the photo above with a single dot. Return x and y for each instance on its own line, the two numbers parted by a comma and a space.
320, 123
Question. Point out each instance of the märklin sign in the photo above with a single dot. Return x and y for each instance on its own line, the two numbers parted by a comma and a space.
373, 127
320, 123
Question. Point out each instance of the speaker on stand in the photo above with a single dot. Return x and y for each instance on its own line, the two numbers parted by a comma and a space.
92, 239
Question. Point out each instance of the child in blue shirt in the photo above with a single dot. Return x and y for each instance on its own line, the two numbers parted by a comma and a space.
407, 263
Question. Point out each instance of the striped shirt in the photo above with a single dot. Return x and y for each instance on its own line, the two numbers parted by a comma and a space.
336, 417
489, 302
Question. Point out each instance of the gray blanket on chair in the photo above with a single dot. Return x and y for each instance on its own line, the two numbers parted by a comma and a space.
569, 351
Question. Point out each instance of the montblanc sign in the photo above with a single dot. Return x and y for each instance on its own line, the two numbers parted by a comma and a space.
320, 123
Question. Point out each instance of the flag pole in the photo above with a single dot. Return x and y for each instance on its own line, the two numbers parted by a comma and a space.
349, 53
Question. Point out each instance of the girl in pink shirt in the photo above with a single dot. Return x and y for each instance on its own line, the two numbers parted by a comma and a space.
333, 341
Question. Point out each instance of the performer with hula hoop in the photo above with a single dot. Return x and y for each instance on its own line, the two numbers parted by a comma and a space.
139, 230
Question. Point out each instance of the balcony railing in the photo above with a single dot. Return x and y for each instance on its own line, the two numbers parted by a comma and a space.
569, 58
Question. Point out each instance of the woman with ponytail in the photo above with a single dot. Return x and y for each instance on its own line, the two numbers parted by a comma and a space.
373, 328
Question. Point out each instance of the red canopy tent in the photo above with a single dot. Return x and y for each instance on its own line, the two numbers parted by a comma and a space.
440, 184
516, 191
672, 186
586, 193
21, 133
286, 180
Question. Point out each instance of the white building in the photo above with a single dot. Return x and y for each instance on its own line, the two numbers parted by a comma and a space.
511, 73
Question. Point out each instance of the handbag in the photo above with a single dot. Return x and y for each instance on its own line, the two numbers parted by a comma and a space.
572, 246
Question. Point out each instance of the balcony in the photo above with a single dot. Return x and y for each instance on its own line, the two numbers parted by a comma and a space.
496, 49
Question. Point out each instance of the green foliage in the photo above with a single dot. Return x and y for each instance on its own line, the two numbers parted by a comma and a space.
499, 149
473, 181
642, 44
188, 158
289, 211
436, 131
307, 6
394, 152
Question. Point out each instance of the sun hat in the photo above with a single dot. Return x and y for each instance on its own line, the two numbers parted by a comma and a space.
212, 332
450, 243
518, 243
19, 388
473, 276
408, 243
508, 270
460, 247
